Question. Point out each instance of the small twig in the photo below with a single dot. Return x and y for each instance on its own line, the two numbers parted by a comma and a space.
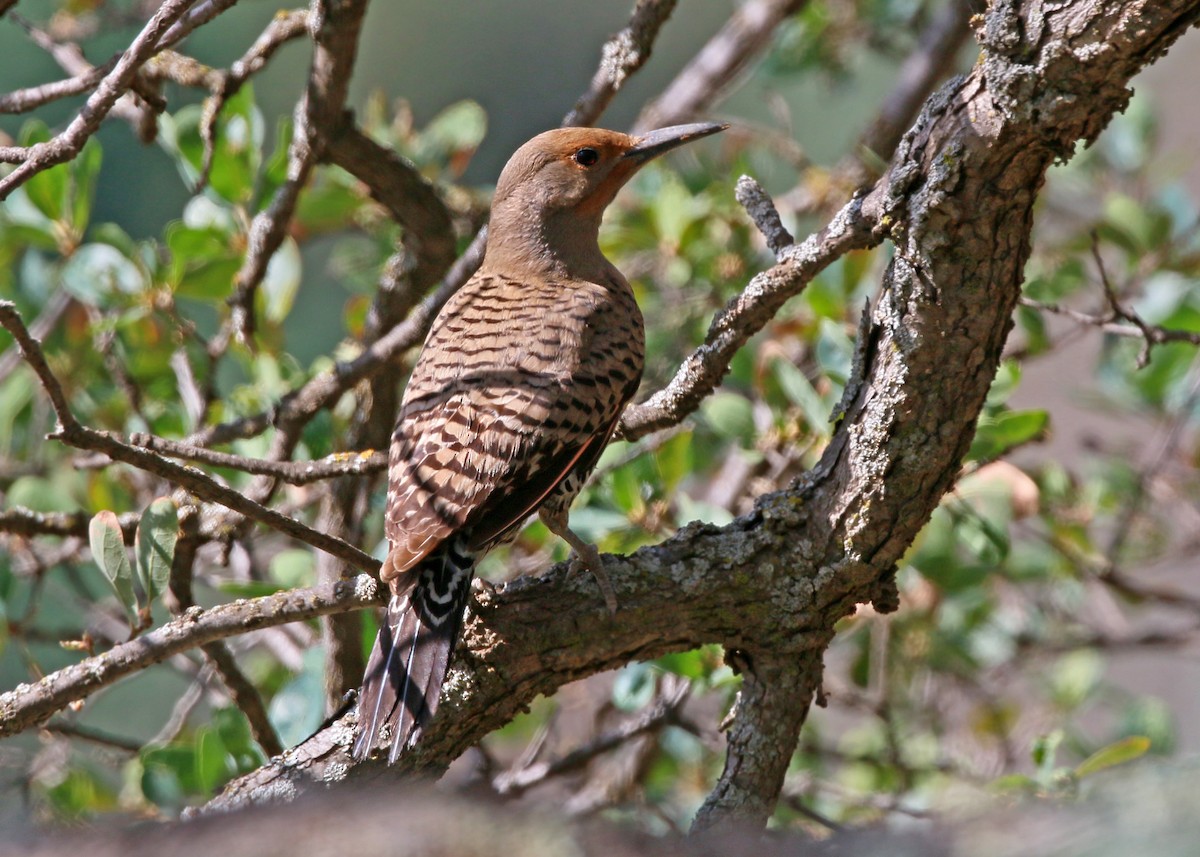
318, 115
292, 472
39, 329
182, 709
1153, 334
95, 736
284, 27
20, 521
752, 197
30, 98
528, 774
1120, 311
621, 56
27, 705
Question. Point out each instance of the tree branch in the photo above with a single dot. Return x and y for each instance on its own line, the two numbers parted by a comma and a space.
69, 143
29, 704
621, 56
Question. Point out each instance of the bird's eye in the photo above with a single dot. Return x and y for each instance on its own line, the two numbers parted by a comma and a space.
586, 157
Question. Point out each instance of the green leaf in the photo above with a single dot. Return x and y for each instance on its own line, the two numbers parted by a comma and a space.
47, 190
801, 393
1117, 753
1002, 432
453, 135
154, 545
108, 549
1076, 678
730, 416
634, 687
281, 281
95, 270
1045, 751
213, 766
203, 263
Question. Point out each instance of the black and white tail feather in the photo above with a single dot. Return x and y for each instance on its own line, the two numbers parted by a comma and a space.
412, 652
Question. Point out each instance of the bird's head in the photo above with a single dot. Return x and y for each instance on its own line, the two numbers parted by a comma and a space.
554, 189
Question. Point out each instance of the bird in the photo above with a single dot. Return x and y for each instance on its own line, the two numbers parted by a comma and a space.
516, 391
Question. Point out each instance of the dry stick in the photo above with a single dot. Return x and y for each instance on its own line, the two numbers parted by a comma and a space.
23, 100
74, 433
284, 27
1152, 334
68, 144
292, 472
69, 57
29, 704
715, 67
20, 521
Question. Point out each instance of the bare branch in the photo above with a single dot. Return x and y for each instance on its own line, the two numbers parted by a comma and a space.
744, 316
713, 70
69, 143
29, 704
25, 522
771, 707
22, 100
529, 774
292, 472
621, 56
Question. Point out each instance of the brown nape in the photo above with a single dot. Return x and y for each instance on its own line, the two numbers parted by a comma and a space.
512, 400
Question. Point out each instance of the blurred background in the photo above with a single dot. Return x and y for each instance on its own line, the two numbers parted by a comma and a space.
1049, 612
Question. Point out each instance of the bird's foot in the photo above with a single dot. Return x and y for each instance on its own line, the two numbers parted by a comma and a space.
587, 556
584, 554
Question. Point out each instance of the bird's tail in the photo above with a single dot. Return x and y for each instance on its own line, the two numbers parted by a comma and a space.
412, 653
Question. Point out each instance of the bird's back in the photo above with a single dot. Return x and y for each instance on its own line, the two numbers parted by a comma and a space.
516, 377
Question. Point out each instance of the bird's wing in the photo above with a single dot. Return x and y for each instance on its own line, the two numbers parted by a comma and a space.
481, 458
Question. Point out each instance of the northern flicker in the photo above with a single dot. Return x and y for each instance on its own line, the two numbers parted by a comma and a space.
514, 396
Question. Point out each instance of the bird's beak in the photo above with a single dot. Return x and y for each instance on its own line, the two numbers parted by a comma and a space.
664, 139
